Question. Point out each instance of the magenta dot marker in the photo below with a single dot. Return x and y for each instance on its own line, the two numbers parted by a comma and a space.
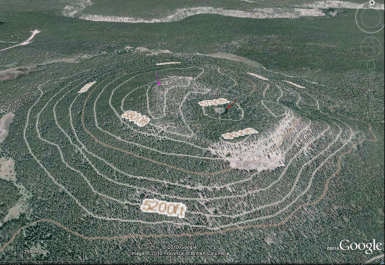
156, 76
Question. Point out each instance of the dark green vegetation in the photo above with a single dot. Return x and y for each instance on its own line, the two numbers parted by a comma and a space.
7, 201
326, 50
310, 45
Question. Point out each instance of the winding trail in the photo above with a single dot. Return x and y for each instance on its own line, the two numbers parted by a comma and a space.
374, 258
24, 43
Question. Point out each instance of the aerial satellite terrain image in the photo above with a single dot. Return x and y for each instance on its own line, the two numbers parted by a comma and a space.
191, 132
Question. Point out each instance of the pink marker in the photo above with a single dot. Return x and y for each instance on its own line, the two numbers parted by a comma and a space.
158, 83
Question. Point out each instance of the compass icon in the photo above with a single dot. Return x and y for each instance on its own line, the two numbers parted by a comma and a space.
372, 3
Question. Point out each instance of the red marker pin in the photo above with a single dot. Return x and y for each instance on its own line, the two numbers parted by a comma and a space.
229, 106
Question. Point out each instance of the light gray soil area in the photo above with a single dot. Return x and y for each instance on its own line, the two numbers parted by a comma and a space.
5, 122
13, 73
